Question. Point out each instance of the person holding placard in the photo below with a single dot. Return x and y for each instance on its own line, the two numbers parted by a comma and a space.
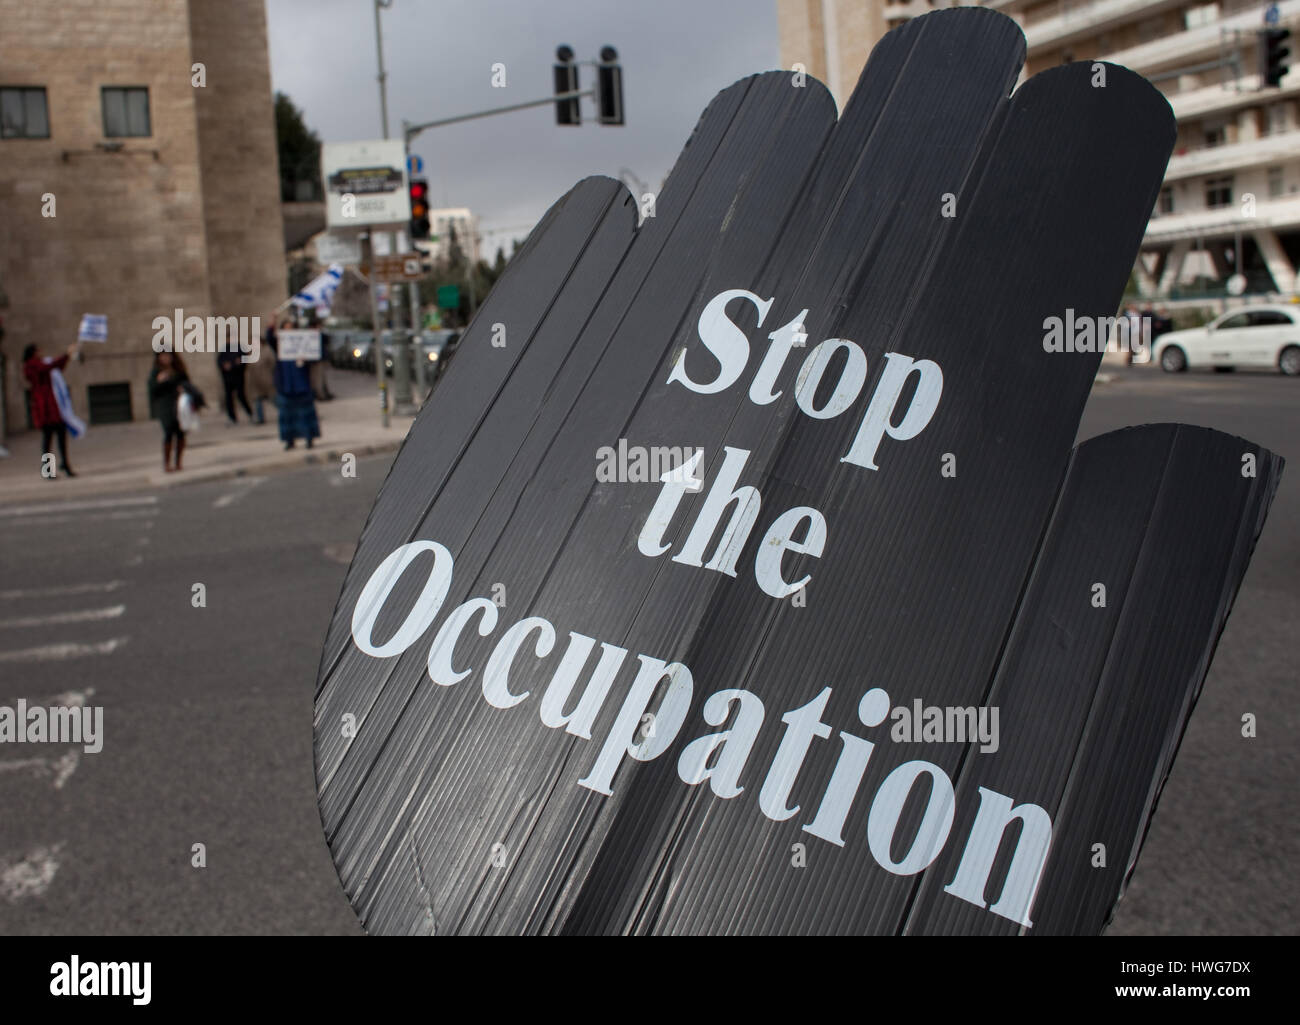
294, 398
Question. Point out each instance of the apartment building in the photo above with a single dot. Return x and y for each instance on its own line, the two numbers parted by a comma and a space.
465, 223
138, 175
1230, 204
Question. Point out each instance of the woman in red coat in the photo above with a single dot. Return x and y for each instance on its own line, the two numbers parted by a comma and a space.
45, 408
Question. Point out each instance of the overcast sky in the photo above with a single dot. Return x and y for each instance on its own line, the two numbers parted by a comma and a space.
676, 54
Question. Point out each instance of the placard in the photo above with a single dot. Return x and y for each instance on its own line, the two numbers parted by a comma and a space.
295, 345
743, 576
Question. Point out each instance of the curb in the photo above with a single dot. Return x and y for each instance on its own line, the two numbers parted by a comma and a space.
307, 457
271, 464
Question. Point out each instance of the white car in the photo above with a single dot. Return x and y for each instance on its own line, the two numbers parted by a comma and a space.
1258, 336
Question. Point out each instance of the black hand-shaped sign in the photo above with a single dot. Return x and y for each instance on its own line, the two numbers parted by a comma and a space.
882, 654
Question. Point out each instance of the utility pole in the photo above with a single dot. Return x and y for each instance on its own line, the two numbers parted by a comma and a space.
377, 346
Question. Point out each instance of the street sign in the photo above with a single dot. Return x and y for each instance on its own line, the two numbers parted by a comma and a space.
414, 164
338, 247
449, 297
398, 267
875, 648
365, 183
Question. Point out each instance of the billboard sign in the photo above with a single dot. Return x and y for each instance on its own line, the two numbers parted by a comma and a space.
365, 183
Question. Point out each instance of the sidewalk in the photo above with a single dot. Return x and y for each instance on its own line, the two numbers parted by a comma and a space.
128, 457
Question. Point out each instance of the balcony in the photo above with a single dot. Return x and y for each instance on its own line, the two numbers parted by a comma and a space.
907, 9
1271, 149
1079, 20
1198, 44
1281, 214
1217, 99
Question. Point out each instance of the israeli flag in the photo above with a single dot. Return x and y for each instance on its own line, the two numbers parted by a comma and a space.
319, 292
93, 328
63, 399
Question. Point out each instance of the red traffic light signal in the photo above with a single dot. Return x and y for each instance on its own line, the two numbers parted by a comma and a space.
419, 193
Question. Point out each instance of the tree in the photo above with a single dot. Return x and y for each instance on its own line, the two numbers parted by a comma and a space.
299, 152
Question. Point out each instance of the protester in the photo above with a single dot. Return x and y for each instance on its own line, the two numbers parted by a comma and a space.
319, 369
261, 374
294, 400
1134, 320
232, 382
167, 381
48, 413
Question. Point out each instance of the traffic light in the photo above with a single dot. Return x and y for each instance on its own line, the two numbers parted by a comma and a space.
609, 87
567, 112
1275, 54
419, 189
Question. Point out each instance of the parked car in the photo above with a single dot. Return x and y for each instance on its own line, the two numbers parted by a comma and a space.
438, 348
1258, 336
357, 355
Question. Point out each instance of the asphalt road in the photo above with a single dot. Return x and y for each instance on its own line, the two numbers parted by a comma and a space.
208, 711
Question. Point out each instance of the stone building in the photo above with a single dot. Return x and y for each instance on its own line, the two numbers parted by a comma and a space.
138, 176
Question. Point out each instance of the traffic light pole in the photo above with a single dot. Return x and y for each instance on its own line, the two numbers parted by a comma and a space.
410, 131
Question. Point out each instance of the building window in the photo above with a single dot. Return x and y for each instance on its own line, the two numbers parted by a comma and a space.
126, 111
1204, 14
1216, 134
1277, 119
1218, 192
23, 113
1276, 186
1152, 28
1166, 204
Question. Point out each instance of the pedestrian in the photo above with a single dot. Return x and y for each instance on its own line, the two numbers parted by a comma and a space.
167, 382
294, 400
320, 368
1134, 322
232, 382
43, 376
261, 373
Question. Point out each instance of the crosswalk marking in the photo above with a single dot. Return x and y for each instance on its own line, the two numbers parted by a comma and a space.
59, 618
30, 874
129, 514
67, 649
66, 507
55, 592
60, 769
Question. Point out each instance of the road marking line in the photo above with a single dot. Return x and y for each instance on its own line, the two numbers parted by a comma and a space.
61, 768
235, 496
63, 507
134, 514
56, 652
53, 592
58, 618
30, 874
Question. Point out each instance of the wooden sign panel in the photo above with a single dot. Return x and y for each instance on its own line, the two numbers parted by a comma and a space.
743, 578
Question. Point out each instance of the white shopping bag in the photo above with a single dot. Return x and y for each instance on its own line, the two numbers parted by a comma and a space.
186, 414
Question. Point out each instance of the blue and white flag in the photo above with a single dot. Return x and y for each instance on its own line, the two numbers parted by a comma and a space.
93, 328
63, 398
319, 292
